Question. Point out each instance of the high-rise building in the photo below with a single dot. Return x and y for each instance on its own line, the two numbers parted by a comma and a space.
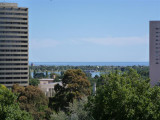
154, 45
13, 45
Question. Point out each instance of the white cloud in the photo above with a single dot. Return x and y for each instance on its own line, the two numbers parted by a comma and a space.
106, 41
41, 44
117, 41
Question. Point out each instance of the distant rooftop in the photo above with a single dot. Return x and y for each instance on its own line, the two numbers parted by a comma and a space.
8, 4
50, 84
46, 79
154, 21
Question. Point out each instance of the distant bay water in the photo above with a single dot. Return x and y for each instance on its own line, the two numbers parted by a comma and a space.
90, 63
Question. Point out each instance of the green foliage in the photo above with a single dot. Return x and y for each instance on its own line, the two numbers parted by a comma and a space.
9, 108
75, 86
34, 82
62, 73
88, 74
75, 82
125, 96
76, 111
34, 73
59, 116
86, 68
96, 77
47, 74
33, 100
101, 80
39, 75
56, 77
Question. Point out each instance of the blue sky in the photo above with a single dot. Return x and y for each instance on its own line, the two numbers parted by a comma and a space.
90, 30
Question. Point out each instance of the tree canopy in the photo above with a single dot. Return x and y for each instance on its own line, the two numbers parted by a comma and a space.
34, 81
126, 96
9, 108
33, 100
74, 86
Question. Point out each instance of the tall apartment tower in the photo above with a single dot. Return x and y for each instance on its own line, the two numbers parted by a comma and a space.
13, 45
154, 52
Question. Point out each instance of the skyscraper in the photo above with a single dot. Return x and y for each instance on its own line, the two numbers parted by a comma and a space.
13, 45
154, 52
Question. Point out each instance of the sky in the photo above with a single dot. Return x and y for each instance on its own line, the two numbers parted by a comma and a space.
89, 30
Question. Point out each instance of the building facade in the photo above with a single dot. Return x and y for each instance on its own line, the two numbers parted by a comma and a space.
13, 45
48, 88
154, 45
46, 81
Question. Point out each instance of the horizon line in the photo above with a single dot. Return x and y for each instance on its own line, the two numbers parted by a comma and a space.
86, 61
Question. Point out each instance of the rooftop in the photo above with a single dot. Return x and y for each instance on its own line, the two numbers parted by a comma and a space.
8, 4
46, 79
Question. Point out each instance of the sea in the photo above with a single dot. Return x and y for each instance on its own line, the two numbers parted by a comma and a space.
90, 63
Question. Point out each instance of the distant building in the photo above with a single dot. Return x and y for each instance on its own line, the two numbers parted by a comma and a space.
154, 45
32, 64
48, 89
13, 45
46, 81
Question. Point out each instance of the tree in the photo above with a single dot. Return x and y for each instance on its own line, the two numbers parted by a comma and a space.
33, 100
101, 80
59, 116
34, 73
62, 72
30, 76
39, 75
77, 111
34, 82
46, 74
96, 77
9, 108
56, 77
74, 86
88, 74
125, 96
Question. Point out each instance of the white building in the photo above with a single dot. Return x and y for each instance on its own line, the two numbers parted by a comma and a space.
47, 86
46, 81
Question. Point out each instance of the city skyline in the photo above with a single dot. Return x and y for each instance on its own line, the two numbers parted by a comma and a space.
90, 31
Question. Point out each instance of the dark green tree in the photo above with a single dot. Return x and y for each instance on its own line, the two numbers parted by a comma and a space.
62, 72
96, 77
47, 74
9, 108
77, 111
74, 86
34, 82
101, 80
34, 73
126, 96
56, 77
88, 74
33, 100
